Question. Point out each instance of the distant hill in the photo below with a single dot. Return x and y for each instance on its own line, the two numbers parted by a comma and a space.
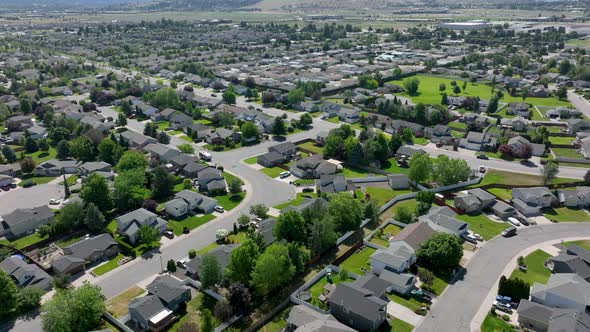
202, 4
5, 4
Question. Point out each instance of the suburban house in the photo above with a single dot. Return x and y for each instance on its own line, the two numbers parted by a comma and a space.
97, 166
538, 317
170, 290
196, 201
270, 159
478, 142
519, 109
568, 263
401, 283
100, 247
18, 122
502, 210
211, 179
180, 120
220, 135
287, 149
357, 307
312, 167
37, 132
414, 235
21, 222
197, 131
398, 181
398, 257
176, 207
439, 134
442, 219
24, 274
307, 203
474, 200
145, 109
161, 152
320, 138
136, 140
349, 115
304, 319
68, 265
563, 290
516, 124
530, 201
12, 170
516, 143
405, 152
576, 125
398, 126
578, 197
222, 253
130, 223
164, 115
265, 229
56, 167
5, 180
192, 169
148, 313
333, 183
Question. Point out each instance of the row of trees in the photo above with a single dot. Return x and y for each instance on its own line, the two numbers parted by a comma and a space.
442, 170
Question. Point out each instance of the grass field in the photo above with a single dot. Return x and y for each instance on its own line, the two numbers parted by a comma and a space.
391, 166
389, 230
495, 324
25, 241
118, 305
43, 156
108, 266
536, 271
564, 214
278, 322
567, 153
311, 147
230, 201
383, 195
67, 241
295, 201
190, 222
428, 92
517, 179
561, 140
354, 172
358, 260
482, 225
505, 194
272, 172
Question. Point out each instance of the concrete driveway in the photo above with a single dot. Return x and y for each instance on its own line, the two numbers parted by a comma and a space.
29, 197
400, 312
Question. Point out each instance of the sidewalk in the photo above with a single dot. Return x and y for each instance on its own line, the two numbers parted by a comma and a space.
400, 312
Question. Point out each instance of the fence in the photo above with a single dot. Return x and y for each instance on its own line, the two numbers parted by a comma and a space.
367, 239
117, 323
573, 160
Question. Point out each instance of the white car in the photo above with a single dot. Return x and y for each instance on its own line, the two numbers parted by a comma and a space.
513, 221
285, 174
54, 201
219, 209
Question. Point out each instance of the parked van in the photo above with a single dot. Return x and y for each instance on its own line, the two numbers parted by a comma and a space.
205, 155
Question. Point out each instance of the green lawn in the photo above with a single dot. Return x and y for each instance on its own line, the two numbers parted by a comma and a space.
391, 166
536, 271
495, 324
67, 241
186, 138
565, 214
439, 284
407, 301
311, 146
505, 194
457, 125
207, 248
222, 148
304, 181
251, 160
230, 177
483, 225
582, 243
494, 176
354, 172
162, 125
108, 266
273, 172
295, 201
383, 195
42, 156
195, 306
71, 180
278, 322
316, 289
567, 153
428, 92
561, 140
358, 260
389, 230
398, 325
36, 179
390, 213
24, 241
421, 140
230, 201
191, 222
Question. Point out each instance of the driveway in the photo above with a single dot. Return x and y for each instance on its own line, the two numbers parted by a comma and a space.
30, 197
400, 312
461, 301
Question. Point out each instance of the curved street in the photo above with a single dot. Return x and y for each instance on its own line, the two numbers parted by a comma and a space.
461, 301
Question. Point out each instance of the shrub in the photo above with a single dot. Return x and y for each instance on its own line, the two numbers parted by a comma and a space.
192, 253
506, 318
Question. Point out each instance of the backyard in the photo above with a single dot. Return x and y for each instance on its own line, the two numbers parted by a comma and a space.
536, 270
24, 242
387, 231
296, 201
311, 147
516, 179
194, 309
359, 260
383, 195
118, 305
390, 213
567, 153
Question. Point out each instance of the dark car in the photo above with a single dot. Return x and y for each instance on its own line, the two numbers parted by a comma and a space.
6, 187
508, 232
169, 234
28, 183
482, 156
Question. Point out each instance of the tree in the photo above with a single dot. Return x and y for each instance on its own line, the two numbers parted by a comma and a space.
587, 178
130, 189
550, 171
404, 215
347, 212
209, 271
8, 294
206, 321
109, 151
31, 145
377, 148
239, 298
420, 167
243, 220
43, 145
29, 298
25, 106
305, 121
273, 269
75, 310
426, 276
70, 217
516, 288
441, 251
59, 134
148, 235
63, 150
493, 105
82, 148
242, 261
299, 256
229, 96
442, 87
121, 120
8, 154
126, 107
408, 135
456, 89
163, 138
278, 126
524, 93
259, 210
524, 151
295, 96
323, 234
162, 183
290, 227
27, 165
235, 186
171, 266
561, 93
223, 311
249, 132
96, 191
186, 148
192, 253
131, 160
411, 85
150, 129
94, 219
448, 171
444, 99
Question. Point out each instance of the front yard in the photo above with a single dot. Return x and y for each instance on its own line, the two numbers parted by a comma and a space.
108, 266
565, 214
311, 147
536, 270
407, 301
272, 172
567, 153
495, 324
191, 222
36, 179
482, 225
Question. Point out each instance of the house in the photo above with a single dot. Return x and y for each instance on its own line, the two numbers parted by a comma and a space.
576, 125
333, 183
21, 222
67, 265
371, 282
307, 203
530, 201
320, 138
148, 313
414, 235
163, 115
405, 152
130, 223
180, 120
312, 167
136, 140
197, 202
270, 159
398, 257
538, 317
176, 207
398, 126
568, 263
304, 319
170, 291
145, 109
100, 247
442, 219
519, 109
478, 142
209, 174
330, 109
18, 123
192, 169
357, 307
308, 106
349, 115
563, 290
585, 147
502, 210
287, 149
516, 143
161, 152
12, 170
197, 131
398, 181
474, 200
221, 135
91, 167
562, 112
25, 275
222, 253
516, 124
56, 167
37, 132
401, 283
265, 229
439, 134
578, 197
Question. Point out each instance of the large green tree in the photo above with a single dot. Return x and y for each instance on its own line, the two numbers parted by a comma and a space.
63, 150
210, 272
290, 227
94, 219
420, 167
322, 235
96, 190
130, 190
131, 160
8, 294
242, 261
162, 183
441, 251
109, 151
82, 149
273, 269
71, 216
347, 212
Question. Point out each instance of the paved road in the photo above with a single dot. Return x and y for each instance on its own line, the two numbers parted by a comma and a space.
21, 198
460, 303
579, 102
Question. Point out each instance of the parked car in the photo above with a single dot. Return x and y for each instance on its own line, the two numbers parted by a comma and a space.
285, 174
6, 187
54, 201
505, 307
513, 221
508, 232
13, 185
219, 209
482, 169
482, 156
205, 155
470, 238
213, 95
478, 237
169, 234
504, 299
28, 183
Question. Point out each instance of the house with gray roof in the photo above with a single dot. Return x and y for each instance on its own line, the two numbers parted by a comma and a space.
265, 229
221, 135
163, 115
576, 125
563, 290
270, 159
56, 167
209, 174
95, 166
568, 263
530, 201
197, 131
401, 283
67, 265
579, 197
398, 257
312, 167
222, 253
307, 203
18, 122
304, 319
519, 109
170, 290
180, 121
37, 132
538, 317
357, 307
478, 141
148, 313
502, 210
442, 219
474, 200
24, 274
287, 149
130, 223
349, 115
21, 222
161, 152
439, 134
192, 169
197, 202
100, 247
517, 143
371, 282
136, 140
176, 207
333, 183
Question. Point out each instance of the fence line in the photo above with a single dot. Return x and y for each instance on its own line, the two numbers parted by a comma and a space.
117, 323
